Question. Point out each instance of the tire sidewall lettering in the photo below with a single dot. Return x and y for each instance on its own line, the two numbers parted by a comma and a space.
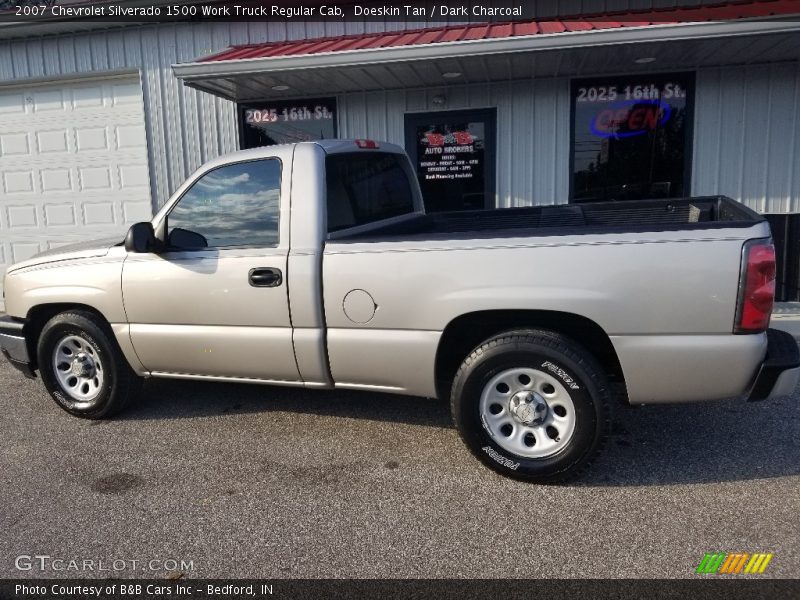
500, 459
557, 370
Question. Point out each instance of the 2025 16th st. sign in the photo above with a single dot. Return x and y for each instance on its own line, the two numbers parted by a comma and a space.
631, 136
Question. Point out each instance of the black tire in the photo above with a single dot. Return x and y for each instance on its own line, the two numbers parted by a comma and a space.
557, 356
118, 384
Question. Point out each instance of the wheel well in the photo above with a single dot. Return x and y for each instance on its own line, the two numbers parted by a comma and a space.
464, 333
39, 315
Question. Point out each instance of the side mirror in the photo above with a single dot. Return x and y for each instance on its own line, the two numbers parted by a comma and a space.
186, 240
141, 238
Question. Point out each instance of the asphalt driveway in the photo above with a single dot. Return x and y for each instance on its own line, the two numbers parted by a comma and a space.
250, 481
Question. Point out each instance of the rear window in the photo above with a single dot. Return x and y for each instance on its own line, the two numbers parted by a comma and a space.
366, 187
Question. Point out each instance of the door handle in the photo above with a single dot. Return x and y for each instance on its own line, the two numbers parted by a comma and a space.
265, 277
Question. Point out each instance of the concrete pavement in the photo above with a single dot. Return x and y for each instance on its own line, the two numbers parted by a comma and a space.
253, 481
786, 316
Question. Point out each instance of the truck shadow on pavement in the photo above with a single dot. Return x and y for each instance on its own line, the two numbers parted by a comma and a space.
657, 445
167, 399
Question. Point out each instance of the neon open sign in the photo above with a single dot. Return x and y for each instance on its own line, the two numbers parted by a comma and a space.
630, 118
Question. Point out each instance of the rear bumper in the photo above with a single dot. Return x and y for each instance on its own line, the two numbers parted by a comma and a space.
14, 346
780, 372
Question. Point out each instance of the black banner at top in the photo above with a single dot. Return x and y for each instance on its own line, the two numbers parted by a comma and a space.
269, 10
408, 11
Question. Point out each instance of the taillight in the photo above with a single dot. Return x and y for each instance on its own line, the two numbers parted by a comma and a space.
756, 287
367, 144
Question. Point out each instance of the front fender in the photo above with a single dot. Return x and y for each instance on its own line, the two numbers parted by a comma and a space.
96, 284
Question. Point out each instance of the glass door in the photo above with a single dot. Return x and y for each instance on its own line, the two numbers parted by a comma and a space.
453, 153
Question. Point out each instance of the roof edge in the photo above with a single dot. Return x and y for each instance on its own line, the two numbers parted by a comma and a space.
530, 43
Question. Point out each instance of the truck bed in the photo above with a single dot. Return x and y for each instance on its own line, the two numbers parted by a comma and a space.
706, 212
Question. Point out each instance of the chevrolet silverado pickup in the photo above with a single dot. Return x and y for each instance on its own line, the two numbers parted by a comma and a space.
315, 265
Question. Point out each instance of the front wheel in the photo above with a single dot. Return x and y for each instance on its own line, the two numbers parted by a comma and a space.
83, 368
532, 405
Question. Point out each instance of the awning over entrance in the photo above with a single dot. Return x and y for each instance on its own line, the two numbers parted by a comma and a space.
734, 33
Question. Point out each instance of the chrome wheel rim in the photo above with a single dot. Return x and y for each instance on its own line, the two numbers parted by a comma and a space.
78, 369
528, 412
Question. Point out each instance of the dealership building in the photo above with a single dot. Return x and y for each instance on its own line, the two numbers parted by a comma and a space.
100, 122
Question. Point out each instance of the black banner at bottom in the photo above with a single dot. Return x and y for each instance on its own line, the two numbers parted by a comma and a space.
552, 589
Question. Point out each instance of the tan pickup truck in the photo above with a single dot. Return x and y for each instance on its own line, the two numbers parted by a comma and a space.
315, 265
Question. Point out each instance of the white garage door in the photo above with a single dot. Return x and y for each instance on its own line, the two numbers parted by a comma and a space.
73, 164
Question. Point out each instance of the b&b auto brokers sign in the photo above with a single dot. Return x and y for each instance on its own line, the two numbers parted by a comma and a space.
452, 155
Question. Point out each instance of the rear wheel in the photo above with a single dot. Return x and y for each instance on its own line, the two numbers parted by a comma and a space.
82, 366
532, 405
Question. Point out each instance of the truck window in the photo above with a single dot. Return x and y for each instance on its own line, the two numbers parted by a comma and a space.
234, 205
366, 187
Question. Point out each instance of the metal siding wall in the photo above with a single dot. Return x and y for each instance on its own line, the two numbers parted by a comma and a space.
185, 128
746, 142
532, 130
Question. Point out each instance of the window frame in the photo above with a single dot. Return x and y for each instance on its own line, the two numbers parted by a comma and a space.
163, 226
416, 196
688, 155
403, 165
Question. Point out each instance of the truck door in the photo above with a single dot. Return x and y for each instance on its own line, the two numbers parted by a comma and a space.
214, 302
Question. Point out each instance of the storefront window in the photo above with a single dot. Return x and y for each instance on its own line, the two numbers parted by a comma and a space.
631, 137
267, 123
453, 155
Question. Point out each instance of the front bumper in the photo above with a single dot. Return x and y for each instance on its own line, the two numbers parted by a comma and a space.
780, 372
14, 346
